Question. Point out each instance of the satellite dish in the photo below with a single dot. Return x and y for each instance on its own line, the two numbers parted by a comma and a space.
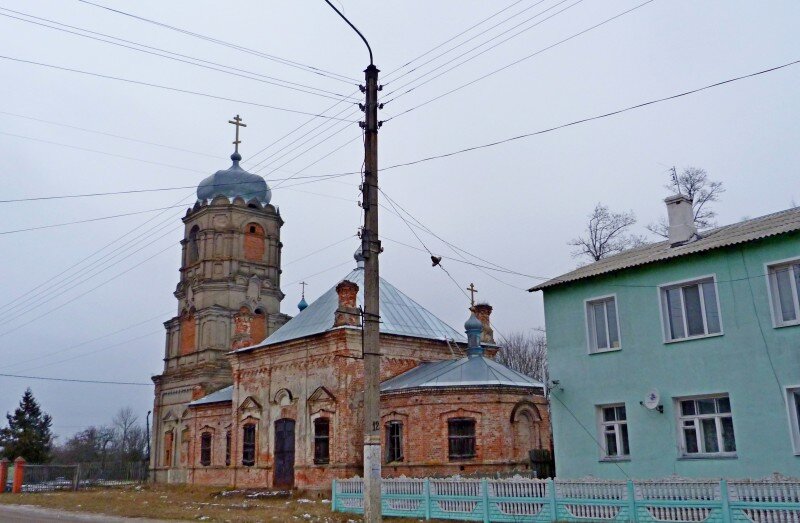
652, 400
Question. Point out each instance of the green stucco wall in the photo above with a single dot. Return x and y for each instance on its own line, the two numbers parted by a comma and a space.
735, 362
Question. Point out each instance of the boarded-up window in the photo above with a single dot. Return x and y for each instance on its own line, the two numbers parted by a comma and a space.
254, 242
461, 438
258, 327
188, 334
169, 442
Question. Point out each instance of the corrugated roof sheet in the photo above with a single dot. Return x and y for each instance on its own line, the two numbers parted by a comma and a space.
222, 395
745, 231
400, 315
469, 371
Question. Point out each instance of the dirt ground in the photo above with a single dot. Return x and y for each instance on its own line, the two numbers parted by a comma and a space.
192, 503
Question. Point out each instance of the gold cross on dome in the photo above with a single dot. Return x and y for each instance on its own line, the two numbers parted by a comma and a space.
303, 284
472, 290
237, 121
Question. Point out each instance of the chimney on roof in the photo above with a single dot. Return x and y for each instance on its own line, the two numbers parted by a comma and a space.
681, 220
347, 313
483, 312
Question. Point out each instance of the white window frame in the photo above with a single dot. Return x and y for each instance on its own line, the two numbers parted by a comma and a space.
601, 430
772, 292
591, 342
794, 421
662, 290
698, 430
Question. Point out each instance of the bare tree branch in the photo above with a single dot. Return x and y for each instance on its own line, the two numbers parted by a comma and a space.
526, 353
694, 183
606, 233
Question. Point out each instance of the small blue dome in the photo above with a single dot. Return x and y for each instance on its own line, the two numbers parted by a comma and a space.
302, 305
473, 324
359, 257
233, 182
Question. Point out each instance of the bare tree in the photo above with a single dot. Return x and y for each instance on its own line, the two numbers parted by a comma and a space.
606, 233
125, 424
526, 353
694, 183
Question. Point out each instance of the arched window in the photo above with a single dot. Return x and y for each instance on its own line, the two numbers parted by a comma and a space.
394, 441
258, 327
205, 449
461, 438
322, 447
254, 242
249, 445
192, 250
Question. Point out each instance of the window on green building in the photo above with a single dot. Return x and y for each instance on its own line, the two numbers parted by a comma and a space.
614, 431
793, 397
601, 318
690, 309
706, 427
784, 283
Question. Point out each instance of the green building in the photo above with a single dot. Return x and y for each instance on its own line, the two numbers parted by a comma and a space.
680, 357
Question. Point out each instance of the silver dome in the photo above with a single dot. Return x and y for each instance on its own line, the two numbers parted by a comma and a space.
233, 182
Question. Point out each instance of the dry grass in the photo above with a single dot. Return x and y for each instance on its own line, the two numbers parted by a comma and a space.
190, 503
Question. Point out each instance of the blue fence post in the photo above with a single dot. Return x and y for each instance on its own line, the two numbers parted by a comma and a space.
551, 486
426, 492
485, 489
631, 501
727, 517
333, 494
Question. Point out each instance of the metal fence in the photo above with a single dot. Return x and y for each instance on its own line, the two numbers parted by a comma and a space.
49, 478
771, 500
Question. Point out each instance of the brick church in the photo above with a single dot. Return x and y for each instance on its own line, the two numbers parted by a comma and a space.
251, 397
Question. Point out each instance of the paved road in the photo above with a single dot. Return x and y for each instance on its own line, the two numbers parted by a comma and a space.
29, 514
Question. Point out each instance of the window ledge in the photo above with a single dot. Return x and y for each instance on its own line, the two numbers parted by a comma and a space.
614, 460
604, 351
787, 324
690, 338
707, 456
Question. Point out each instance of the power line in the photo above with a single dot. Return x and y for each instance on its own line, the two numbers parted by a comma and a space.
440, 73
113, 155
103, 133
70, 283
591, 118
166, 88
284, 61
487, 75
453, 38
80, 344
198, 62
70, 380
53, 225
54, 309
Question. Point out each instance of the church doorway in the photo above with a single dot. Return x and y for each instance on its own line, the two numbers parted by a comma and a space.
284, 453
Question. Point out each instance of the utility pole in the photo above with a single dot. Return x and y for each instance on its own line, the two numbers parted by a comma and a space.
370, 249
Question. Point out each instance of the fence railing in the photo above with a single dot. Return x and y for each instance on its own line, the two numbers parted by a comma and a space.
28, 477
771, 500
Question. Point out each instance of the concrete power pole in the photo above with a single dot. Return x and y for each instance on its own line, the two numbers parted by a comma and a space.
370, 249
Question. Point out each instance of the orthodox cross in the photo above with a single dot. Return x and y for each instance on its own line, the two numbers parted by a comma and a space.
303, 284
237, 121
472, 290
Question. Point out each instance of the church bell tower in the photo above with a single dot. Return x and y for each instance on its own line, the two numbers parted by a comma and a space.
228, 295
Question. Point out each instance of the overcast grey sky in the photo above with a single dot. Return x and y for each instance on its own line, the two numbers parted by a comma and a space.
516, 204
